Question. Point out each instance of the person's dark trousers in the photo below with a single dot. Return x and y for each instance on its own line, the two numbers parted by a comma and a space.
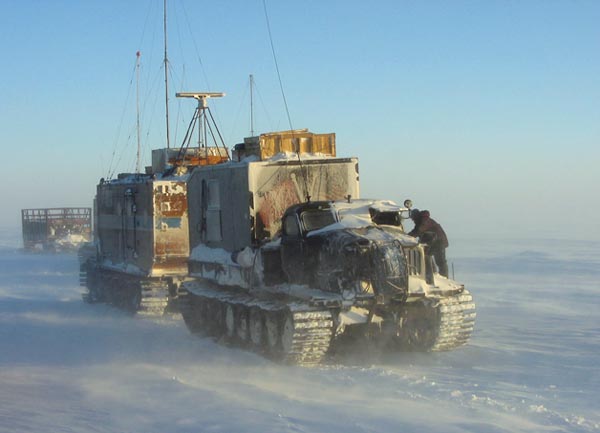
439, 253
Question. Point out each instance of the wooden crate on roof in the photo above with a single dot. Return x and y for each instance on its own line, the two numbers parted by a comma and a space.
300, 141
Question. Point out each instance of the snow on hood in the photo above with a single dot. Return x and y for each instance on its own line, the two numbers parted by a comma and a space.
348, 222
405, 240
356, 214
362, 206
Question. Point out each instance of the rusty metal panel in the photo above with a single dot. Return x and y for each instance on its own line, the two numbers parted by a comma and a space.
300, 141
163, 159
142, 226
171, 236
296, 141
276, 186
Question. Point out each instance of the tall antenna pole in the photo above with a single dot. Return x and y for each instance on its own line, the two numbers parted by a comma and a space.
166, 71
251, 106
137, 105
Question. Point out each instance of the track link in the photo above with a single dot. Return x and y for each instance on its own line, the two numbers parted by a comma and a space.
437, 325
289, 333
154, 298
456, 323
308, 337
147, 297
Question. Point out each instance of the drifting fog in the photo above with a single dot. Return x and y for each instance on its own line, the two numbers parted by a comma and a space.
530, 366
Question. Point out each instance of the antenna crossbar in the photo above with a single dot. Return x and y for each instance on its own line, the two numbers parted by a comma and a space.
201, 97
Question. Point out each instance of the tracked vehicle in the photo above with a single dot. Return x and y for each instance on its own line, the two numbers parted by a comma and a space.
272, 251
338, 273
141, 247
139, 256
143, 221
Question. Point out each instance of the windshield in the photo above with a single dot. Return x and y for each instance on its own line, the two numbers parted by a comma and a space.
317, 219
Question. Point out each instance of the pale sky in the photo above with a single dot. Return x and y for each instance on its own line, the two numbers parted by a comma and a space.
487, 113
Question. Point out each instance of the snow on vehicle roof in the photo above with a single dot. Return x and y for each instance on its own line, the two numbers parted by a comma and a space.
126, 178
289, 156
357, 213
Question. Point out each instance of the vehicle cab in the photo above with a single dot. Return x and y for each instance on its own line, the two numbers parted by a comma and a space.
299, 252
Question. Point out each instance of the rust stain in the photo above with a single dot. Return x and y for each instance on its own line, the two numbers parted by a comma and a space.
171, 222
274, 203
171, 204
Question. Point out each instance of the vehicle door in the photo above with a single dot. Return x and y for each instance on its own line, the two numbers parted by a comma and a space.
292, 249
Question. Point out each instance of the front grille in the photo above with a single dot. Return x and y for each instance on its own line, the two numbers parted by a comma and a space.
413, 256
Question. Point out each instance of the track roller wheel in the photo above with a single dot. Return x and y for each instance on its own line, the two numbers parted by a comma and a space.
192, 311
287, 333
272, 333
132, 299
255, 323
445, 325
418, 333
215, 314
229, 321
241, 324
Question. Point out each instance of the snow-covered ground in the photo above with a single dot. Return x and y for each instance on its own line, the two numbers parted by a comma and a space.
532, 365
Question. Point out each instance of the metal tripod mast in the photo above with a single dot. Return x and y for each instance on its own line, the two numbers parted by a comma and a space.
206, 123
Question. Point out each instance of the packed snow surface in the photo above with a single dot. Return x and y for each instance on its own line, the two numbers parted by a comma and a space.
531, 366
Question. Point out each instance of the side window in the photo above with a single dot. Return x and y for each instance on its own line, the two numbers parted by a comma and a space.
290, 226
214, 231
214, 200
317, 219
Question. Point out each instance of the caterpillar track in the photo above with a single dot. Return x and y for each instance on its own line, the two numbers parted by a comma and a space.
148, 297
436, 325
295, 333
155, 298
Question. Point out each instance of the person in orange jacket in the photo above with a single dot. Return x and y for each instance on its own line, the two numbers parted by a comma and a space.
431, 233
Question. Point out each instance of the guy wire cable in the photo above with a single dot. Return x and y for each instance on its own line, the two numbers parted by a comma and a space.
302, 168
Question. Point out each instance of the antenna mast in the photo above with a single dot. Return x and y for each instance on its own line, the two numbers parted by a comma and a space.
166, 71
251, 106
137, 105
